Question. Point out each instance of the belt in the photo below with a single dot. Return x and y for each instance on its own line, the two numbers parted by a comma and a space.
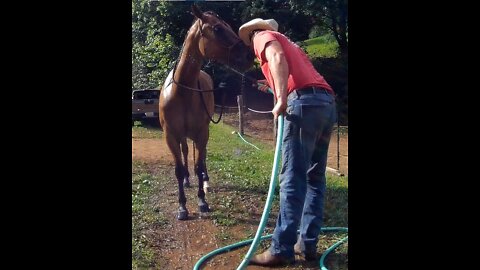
306, 91
311, 90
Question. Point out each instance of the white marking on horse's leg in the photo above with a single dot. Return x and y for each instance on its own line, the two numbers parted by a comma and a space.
206, 187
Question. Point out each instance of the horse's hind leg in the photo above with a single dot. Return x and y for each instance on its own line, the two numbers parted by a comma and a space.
186, 180
174, 146
200, 170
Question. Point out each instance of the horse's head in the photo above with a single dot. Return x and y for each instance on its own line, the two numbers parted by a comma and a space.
220, 43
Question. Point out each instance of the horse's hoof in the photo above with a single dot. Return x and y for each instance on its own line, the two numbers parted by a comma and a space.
203, 208
182, 214
186, 183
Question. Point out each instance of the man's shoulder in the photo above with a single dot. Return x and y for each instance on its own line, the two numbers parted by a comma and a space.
268, 33
265, 35
263, 38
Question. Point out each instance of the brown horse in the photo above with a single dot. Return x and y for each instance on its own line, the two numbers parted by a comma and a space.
183, 113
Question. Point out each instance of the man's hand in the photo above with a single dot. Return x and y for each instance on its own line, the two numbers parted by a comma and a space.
279, 108
263, 86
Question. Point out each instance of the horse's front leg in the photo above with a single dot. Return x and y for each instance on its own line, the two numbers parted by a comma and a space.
200, 171
206, 186
186, 180
174, 146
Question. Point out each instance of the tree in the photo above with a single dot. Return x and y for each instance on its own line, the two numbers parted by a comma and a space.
330, 13
295, 25
153, 48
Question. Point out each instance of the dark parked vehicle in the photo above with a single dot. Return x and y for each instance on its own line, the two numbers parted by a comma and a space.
145, 105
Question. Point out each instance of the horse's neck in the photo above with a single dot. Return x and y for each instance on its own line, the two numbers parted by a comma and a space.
188, 68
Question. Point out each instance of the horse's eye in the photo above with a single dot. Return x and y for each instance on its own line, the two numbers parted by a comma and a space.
217, 29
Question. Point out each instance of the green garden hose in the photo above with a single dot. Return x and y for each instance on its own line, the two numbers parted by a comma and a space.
246, 242
241, 137
270, 196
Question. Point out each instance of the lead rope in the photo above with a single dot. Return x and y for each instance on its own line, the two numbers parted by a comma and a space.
206, 109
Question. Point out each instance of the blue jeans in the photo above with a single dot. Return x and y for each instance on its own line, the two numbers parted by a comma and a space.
306, 136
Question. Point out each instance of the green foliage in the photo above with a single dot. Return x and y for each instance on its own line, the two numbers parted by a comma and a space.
153, 48
327, 14
293, 24
319, 30
151, 61
324, 46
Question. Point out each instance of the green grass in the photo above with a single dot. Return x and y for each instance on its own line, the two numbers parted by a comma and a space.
139, 131
323, 46
242, 168
237, 163
143, 216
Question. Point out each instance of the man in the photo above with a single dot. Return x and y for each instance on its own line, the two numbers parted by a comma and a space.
308, 103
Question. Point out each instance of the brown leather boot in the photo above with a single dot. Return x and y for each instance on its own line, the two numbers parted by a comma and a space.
267, 259
309, 256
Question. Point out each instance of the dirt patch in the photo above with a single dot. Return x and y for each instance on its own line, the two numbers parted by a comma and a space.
150, 150
180, 244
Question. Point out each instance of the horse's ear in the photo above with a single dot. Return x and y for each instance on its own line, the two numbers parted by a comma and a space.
196, 12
